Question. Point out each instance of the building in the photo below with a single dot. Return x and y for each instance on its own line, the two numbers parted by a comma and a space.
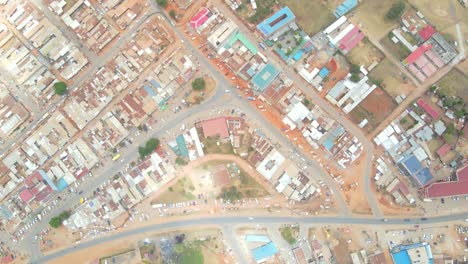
262, 253
419, 175
442, 48
277, 24
412, 254
222, 34
426, 107
200, 18
345, 7
347, 94
449, 188
215, 127
264, 77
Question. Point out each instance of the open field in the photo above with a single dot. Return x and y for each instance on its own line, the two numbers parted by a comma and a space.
365, 54
394, 82
375, 108
311, 15
454, 84
212, 145
245, 185
370, 15
178, 192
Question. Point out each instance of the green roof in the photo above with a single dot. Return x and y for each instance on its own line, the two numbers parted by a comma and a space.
243, 39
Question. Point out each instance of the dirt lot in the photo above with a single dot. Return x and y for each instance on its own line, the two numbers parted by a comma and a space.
370, 14
394, 82
375, 108
365, 54
454, 83
196, 97
311, 15
181, 191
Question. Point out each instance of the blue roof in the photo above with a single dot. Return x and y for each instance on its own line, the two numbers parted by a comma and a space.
423, 176
401, 257
149, 90
6, 213
400, 253
62, 184
264, 77
276, 21
329, 143
181, 145
48, 180
155, 83
265, 251
298, 55
257, 238
324, 72
412, 165
345, 7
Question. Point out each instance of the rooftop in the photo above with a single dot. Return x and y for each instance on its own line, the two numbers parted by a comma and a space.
260, 254
279, 19
215, 127
264, 77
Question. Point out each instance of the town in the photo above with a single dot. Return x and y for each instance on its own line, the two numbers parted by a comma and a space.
233, 131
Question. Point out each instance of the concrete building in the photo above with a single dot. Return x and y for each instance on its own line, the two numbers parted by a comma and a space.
277, 24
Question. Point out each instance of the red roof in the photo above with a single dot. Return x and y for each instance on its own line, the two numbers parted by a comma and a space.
7, 259
442, 151
199, 18
427, 32
433, 113
453, 188
351, 39
417, 53
25, 195
215, 127
462, 174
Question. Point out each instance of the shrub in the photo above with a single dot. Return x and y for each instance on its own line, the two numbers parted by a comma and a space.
395, 11
162, 3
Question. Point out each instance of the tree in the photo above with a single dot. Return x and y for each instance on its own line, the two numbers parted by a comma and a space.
198, 84
60, 88
355, 77
172, 14
162, 3
149, 147
180, 161
55, 222
395, 11
306, 102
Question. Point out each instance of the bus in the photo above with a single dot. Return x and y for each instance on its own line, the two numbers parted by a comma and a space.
116, 157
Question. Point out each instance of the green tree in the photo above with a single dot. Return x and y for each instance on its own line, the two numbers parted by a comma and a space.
149, 147
306, 102
180, 161
55, 222
162, 3
355, 77
60, 88
198, 84
395, 11
172, 14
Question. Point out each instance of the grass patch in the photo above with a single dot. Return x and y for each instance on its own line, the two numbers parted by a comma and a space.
311, 16
289, 234
394, 82
399, 50
365, 54
179, 192
189, 253
215, 145
454, 84
371, 14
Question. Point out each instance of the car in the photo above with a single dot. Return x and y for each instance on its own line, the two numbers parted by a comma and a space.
385, 220
424, 218
406, 219
80, 192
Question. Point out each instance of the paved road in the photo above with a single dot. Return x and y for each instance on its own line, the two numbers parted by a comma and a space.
243, 220
334, 112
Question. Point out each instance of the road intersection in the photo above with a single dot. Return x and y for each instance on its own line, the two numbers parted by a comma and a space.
221, 100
